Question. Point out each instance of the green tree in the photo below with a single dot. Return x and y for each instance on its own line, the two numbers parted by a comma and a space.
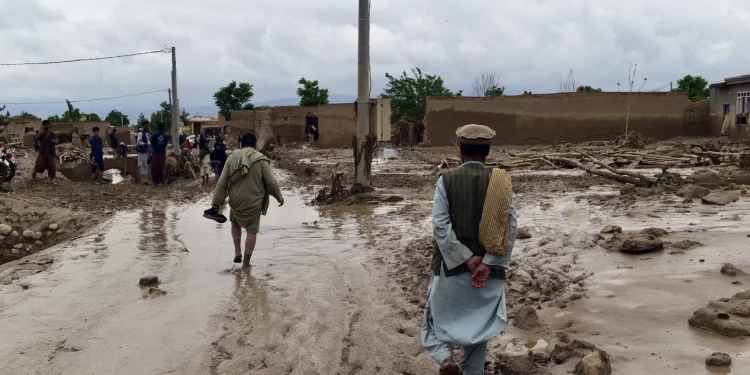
409, 94
233, 97
24, 114
162, 115
117, 118
55, 118
310, 95
91, 117
141, 119
71, 115
184, 116
588, 89
696, 87
495, 91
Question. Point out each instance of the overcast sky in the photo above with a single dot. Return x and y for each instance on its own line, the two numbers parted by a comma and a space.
272, 43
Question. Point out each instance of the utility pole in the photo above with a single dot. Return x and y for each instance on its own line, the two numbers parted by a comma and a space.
363, 92
175, 104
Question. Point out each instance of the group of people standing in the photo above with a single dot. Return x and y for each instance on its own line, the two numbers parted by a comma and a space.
152, 150
212, 157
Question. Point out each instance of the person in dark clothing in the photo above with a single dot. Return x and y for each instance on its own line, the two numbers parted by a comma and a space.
159, 155
122, 149
183, 138
97, 155
202, 142
46, 160
218, 159
36, 143
113, 139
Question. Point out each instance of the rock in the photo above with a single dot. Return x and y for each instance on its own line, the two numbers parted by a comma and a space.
721, 197
54, 227
641, 244
595, 363
719, 322
563, 352
5, 230
14, 251
693, 192
729, 270
39, 243
27, 234
2, 237
685, 244
526, 318
523, 234
707, 178
738, 305
719, 360
37, 236
738, 176
155, 291
627, 189
656, 232
15, 234
609, 229
18, 246
149, 281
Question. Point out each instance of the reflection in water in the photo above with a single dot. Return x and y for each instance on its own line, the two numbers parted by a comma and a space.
153, 238
251, 296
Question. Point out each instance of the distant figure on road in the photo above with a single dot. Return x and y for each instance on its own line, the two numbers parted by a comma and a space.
159, 157
113, 139
474, 227
96, 155
143, 145
47, 158
248, 180
218, 159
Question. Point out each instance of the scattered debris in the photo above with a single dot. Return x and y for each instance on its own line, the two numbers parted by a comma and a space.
721, 198
686, 244
730, 270
609, 229
719, 359
523, 234
526, 318
627, 189
595, 363
149, 281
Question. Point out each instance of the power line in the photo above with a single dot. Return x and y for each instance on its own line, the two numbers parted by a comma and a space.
90, 100
164, 50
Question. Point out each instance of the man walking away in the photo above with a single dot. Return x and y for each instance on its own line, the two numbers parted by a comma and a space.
218, 159
248, 180
96, 155
159, 157
474, 225
113, 139
142, 147
47, 156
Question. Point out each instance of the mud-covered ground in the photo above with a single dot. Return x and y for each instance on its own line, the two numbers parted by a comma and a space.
74, 208
341, 289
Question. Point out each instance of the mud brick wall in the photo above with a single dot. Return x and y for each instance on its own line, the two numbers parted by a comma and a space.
337, 124
567, 117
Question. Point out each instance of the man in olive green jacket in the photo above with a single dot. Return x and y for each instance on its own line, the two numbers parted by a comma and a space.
248, 181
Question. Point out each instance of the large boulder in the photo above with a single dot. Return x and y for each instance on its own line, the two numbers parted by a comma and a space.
641, 244
707, 178
595, 363
693, 192
5, 230
719, 322
656, 232
719, 360
721, 198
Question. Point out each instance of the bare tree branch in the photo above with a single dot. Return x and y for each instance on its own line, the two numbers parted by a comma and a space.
487, 84
568, 84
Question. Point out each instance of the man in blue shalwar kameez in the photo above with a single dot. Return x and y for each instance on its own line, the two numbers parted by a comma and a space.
466, 297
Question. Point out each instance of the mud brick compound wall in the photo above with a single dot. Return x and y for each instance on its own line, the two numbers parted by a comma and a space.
566, 117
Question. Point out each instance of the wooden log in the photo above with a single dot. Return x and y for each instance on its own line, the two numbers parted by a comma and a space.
602, 172
650, 180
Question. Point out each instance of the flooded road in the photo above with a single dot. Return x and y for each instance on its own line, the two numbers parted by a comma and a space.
311, 304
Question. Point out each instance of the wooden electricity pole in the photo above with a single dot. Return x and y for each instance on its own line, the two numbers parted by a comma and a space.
363, 93
175, 107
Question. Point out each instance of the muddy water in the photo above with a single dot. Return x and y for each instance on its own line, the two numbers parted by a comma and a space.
638, 305
311, 304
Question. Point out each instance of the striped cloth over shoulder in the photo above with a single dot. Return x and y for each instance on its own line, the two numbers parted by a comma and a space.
493, 228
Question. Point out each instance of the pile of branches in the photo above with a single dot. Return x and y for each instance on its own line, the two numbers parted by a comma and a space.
632, 139
74, 155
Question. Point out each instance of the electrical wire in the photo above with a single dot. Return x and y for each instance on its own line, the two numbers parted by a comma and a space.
164, 50
90, 100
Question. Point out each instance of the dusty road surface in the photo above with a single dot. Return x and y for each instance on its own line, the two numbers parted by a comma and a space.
310, 305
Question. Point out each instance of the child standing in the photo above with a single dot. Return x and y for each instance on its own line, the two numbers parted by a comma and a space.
96, 155
204, 159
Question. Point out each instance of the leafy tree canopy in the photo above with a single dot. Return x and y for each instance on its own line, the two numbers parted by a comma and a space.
588, 89
233, 97
117, 118
696, 87
409, 94
310, 94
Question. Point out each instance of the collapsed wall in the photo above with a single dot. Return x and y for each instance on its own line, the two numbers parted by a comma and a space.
566, 117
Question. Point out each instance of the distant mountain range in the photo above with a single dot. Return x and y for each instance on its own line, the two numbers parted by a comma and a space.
211, 110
